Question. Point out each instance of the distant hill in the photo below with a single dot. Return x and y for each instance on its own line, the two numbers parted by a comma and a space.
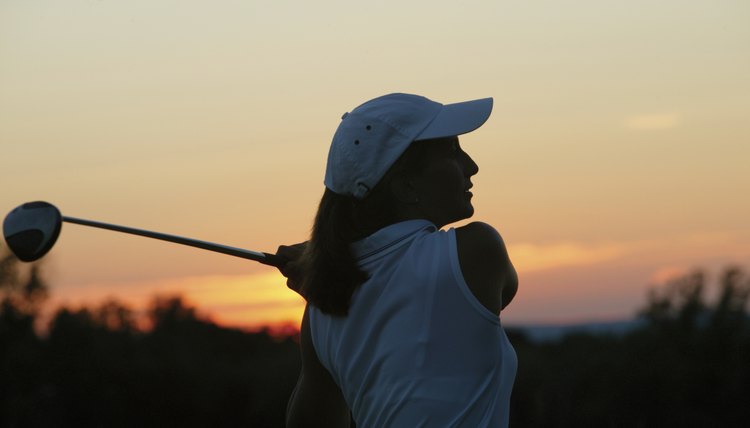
539, 333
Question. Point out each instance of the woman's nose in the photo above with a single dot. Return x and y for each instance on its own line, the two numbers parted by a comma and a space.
471, 166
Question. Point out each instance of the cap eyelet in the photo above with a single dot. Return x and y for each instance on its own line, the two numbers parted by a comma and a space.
361, 191
368, 127
356, 142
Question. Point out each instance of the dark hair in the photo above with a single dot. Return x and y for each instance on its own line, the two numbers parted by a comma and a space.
330, 270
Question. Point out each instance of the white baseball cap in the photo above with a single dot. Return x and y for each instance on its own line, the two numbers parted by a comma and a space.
374, 135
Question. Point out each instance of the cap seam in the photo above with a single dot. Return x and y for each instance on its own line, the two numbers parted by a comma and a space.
429, 123
382, 119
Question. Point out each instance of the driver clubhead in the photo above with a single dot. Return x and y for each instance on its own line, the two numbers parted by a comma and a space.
31, 229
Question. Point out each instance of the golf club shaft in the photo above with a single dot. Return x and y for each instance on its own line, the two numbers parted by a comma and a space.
265, 258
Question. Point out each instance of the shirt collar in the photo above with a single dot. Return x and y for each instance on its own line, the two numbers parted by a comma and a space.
390, 237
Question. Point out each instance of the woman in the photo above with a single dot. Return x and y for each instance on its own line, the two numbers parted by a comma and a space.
402, 323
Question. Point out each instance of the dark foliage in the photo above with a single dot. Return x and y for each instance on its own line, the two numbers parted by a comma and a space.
183, 372
94, 367
689, 365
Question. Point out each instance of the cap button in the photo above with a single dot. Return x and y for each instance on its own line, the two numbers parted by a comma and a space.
361, 190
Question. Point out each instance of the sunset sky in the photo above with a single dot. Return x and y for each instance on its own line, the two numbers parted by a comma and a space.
617, 155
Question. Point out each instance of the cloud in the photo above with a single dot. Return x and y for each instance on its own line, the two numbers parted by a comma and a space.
531, 257
670, 257
665, 274
653, 121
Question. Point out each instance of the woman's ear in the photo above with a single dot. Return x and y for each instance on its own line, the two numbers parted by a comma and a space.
403, 189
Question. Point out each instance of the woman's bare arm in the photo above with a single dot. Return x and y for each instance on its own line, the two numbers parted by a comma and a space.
486, 265
316, 400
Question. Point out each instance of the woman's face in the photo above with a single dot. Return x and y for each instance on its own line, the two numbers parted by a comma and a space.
442, 185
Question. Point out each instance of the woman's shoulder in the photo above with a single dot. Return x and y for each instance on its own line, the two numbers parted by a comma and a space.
479, 235
484, 263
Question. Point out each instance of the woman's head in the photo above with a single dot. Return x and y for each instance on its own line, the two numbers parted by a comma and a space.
393, 158
372, 137
437, 188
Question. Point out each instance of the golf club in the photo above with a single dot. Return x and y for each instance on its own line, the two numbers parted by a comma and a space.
32, 229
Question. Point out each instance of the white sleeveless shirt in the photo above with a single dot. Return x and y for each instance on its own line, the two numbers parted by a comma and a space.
417, 348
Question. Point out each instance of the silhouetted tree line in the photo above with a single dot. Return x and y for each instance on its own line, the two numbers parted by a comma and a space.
688, 364
95, 368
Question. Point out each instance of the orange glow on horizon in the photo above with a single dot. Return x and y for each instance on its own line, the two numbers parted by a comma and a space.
249, 302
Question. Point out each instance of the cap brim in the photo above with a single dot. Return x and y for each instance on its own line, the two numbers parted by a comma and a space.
457, 119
